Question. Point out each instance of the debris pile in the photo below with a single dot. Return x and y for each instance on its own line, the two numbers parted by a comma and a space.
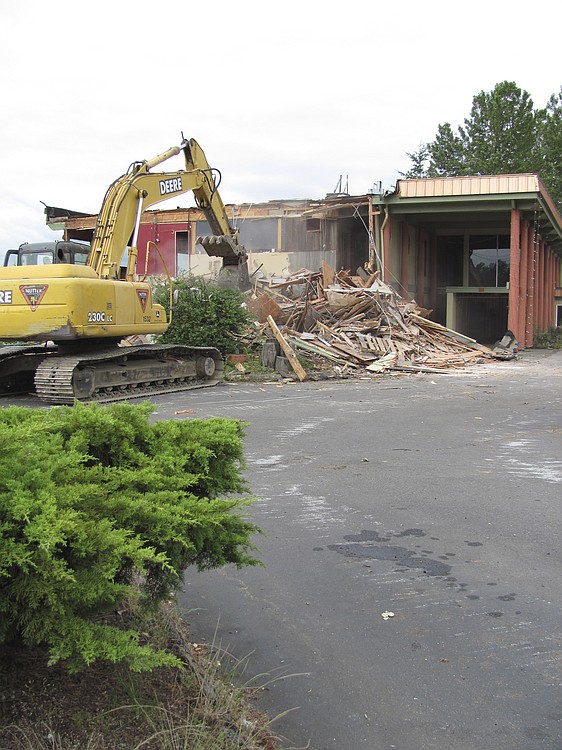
357, 323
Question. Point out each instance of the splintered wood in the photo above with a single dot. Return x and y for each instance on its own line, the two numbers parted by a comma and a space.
357, 323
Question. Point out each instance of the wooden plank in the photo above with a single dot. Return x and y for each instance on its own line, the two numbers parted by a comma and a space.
347, 340
328, 274
262, 306
373, 346
287, 350
320, 351
382, 364
371, 280
460, 337
354, 353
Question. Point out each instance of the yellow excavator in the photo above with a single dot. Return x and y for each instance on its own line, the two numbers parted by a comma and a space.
74, 319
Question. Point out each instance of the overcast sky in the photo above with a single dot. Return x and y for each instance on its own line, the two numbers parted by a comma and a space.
283, 97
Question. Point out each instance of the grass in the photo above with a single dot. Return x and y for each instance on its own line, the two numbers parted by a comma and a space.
106, 706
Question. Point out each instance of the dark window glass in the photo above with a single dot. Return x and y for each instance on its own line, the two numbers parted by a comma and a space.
489, 260
450, 251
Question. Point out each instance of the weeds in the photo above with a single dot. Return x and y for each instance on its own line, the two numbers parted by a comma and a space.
191, 708
551, 339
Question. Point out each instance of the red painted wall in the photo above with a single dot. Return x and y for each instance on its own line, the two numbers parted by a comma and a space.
164, 235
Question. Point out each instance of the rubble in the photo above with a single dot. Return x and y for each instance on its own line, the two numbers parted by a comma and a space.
358, 324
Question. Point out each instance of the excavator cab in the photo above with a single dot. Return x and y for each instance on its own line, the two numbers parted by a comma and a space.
46, 253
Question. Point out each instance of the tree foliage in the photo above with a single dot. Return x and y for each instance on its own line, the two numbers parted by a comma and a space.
447, 153
500, 135
550, 146
98, 506
504, 134
204, 314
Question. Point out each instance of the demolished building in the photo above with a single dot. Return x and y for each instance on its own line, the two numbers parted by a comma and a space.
482, 253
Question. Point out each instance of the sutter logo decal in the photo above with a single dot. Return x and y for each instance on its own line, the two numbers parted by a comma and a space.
34, 294
143, 298
173, 185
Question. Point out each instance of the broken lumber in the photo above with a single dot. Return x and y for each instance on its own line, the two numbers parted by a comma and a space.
287, 350
362, 323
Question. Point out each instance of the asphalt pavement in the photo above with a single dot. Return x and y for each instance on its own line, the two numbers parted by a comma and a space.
411, 593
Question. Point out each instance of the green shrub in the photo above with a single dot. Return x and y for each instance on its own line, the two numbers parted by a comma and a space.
204, 314
551, 339
98, 506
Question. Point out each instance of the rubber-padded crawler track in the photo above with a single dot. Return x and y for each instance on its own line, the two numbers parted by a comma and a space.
55, 376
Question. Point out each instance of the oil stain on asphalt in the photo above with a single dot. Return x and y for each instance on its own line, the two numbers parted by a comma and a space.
372, 546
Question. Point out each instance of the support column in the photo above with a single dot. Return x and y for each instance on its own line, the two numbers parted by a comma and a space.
386, 235
529, 325
553, 290
420, 270
557, 280
545, 288
544, 324
405, 260
550, 290
523, 291
547, 294
514, 266
539, 287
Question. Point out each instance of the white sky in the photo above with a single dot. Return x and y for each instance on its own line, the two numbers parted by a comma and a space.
283, 97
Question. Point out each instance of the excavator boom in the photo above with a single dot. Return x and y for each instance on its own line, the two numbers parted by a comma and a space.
119, 219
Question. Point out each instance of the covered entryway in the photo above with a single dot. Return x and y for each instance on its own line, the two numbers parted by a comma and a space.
484, 253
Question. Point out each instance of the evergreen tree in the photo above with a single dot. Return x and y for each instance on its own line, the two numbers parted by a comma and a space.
550, 146
447, 153
419, 159
500, 135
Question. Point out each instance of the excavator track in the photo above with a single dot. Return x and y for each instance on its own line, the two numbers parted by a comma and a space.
18, 363
121, 373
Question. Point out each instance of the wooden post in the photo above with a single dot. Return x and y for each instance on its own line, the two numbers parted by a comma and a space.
287, 350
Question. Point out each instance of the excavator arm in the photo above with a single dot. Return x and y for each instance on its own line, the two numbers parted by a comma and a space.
118, 222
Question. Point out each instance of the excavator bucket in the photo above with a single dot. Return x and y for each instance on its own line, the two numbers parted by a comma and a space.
234, 276
234, 271
221, 245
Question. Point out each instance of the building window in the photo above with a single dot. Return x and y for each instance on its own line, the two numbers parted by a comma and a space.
489, 260
182, 252
313, 225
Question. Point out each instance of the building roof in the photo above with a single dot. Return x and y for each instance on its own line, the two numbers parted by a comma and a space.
478, 185
451, 200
